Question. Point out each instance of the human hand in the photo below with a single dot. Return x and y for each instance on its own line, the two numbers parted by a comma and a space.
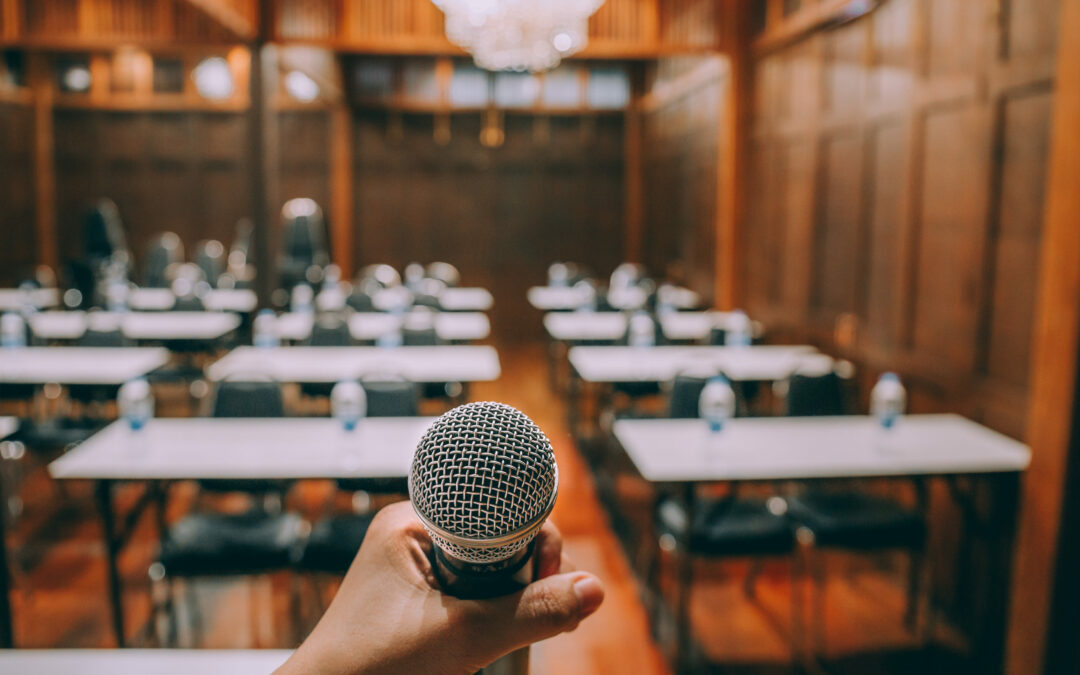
389, 615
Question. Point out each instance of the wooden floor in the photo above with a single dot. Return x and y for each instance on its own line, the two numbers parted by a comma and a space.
60, 598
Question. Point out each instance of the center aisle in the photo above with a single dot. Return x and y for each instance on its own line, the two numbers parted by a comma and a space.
615, 639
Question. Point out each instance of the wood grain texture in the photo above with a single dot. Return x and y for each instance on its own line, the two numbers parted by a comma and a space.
1053, 375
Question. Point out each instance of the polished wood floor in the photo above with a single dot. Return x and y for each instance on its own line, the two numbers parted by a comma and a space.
60, 598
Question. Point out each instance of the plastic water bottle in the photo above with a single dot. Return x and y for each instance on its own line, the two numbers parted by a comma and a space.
332, 297
264, 330
116, 295
717, 402
558, 275
665, 303
27, 306
642, 330
586, 294
348, 403
136, 403
414, 274
888, 400
12, 330
301, 299
391, 338
739, 332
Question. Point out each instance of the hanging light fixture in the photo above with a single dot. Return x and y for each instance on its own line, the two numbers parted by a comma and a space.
518, 34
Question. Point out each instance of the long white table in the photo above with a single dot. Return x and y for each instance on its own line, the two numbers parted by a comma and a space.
659, 364
8, 426
142, 661
239, 300
792, 448
681, 454
79, 365
165, 325
451, 299
450, 363
189, 448
563, 298
208, 448
450, 326
11, 299
679, 326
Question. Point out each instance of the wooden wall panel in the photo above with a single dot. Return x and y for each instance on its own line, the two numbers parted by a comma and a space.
18, 250
838, 230
500, 214
885, 196
167, 171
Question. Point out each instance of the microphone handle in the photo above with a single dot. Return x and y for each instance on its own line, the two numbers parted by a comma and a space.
471, 581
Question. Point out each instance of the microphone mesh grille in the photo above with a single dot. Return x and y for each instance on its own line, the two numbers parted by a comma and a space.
483, 471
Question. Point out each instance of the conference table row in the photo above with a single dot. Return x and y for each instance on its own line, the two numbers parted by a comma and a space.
240, 300
55, 326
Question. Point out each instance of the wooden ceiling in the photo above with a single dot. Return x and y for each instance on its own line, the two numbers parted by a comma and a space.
620, 29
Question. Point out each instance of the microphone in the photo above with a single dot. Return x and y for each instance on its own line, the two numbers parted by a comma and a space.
483, 481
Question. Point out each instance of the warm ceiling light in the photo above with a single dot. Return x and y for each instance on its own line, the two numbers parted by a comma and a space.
214, 79
77, 78
301, 87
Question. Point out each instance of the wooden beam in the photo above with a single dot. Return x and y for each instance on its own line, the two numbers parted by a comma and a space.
1054, 364
341, 181
633, 178
234, 21
41, 84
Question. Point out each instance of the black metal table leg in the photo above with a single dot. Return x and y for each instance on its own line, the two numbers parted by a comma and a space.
112, 549
7, 631
992, 631
684, 582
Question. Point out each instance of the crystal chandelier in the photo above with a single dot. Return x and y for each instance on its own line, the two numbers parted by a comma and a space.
518, 34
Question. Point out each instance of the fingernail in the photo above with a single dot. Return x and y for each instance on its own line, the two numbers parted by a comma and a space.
590, 593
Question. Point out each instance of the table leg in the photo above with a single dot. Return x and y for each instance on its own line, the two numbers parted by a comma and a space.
112, 549
991, 632
683, 584
7, 633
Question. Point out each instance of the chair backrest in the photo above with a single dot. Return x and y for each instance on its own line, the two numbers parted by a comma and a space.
360, 301
102, 338
685, 395
444, 272
658, 333
189, 303
717, 336
391, 398
237, 398
103, 231
164, 251
419, 337
330, 331
816, 395
210, 257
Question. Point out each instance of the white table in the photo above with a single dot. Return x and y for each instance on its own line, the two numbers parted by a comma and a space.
450, 299
683, 454
696, 326
659, 364
79, 365
142, 661
8, 426
236, 448
11, 299
562, 298
450, 326
792, 448
239, 300
166, 325
579, 326
449, 363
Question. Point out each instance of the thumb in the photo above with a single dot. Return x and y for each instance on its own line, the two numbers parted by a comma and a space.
541, 610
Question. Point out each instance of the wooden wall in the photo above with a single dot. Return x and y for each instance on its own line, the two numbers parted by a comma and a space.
552, 191
681, 145
18, 242
897, 194
183, 171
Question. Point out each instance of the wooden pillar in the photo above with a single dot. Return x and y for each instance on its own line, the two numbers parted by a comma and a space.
1054, 365
263, 167
341, 180
44, 162
733, 174
633, 183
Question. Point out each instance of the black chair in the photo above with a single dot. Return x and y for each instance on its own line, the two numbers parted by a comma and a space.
360, 300
328, 330
303, 245
420, 337
98, 394
165, 251
335, 539
685, 395
444, 272
213, 544
189, 303
635, 390
841, 518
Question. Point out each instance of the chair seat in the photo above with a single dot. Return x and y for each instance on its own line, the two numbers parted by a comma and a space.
720, 528
637, 389
857, 520
334, 542
55, 434
219, 544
